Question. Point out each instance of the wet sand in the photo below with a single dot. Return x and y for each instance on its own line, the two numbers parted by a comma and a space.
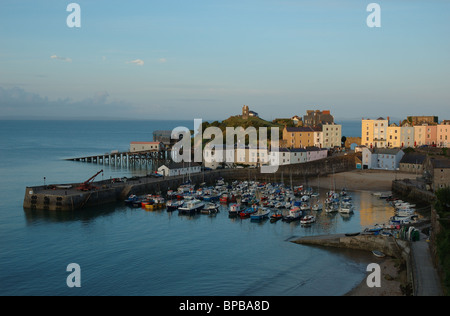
358, 180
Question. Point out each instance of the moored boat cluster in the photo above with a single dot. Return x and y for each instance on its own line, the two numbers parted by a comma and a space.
247, 199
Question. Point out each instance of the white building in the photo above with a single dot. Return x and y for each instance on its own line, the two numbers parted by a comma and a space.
380, 158
146, 146
315, 153
280, 157
298, 155
178, 169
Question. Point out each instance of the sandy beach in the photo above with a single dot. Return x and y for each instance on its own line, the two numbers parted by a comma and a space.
393, 276
361, 180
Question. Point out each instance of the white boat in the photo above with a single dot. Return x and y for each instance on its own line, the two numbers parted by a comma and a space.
308, 219
305, 207
405, 212
191, 206
210, 208
316, 207
346, 208
293, 215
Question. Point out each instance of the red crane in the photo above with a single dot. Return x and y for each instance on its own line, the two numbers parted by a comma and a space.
87, 185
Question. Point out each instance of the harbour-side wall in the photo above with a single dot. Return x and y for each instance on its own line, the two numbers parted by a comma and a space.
411, 192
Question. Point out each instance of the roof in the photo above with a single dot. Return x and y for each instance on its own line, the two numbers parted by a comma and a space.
387, 151
413, 158
148, 143
299, 129
440, 163
180, 165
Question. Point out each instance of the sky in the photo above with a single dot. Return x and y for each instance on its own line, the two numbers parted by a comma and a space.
178, 59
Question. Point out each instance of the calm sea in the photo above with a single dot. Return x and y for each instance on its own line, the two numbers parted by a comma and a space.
123, 251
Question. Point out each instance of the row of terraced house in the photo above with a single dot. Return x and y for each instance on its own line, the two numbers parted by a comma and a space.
415, 131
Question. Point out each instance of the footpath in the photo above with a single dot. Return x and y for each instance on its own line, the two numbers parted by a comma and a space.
426, 279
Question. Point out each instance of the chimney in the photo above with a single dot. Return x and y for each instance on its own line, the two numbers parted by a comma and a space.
388, 120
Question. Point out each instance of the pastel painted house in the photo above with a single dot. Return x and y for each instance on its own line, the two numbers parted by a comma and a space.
381, 158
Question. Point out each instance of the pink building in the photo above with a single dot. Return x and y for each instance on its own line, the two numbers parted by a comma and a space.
443, 134
431, 135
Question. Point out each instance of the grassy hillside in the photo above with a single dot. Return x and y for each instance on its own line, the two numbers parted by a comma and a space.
237, 121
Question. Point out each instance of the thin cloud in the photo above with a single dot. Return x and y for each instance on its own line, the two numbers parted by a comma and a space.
138, 62
162, 60
69, 60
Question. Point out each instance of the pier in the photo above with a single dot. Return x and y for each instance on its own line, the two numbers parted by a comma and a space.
141, 158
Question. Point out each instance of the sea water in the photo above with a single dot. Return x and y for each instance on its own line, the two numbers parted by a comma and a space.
125, 251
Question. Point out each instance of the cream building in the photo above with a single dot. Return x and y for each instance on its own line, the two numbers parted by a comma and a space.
374, 132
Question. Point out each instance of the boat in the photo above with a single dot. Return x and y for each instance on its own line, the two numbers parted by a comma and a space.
378, 254
352, 234
316, 207
345, 208
191, 207
248, 211
375, 229
260, 214
276, 216
305, 207
235, 209
295, 214
174, 205
132, 198
308, 219
210, 208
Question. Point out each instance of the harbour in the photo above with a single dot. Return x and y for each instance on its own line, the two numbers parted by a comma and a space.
161, 252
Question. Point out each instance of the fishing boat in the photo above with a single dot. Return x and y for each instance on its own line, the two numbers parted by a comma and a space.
316, 207
224, 199
260, 214
295, 214
132, 198
210, 208
276, 216
191, 207
235, 209
173, 205
248, 211
308, 219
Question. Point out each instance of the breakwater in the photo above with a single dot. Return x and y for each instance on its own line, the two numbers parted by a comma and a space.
68, 197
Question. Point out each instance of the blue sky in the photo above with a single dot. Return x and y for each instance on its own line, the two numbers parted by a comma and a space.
186, 59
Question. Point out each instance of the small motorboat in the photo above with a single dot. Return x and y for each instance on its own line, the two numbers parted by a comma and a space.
210, 208
308, 219
260, 214
276, 216
174, 205
378, 254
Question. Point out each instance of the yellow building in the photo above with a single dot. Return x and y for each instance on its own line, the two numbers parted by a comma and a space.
298, 137
374, 132
393, 136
